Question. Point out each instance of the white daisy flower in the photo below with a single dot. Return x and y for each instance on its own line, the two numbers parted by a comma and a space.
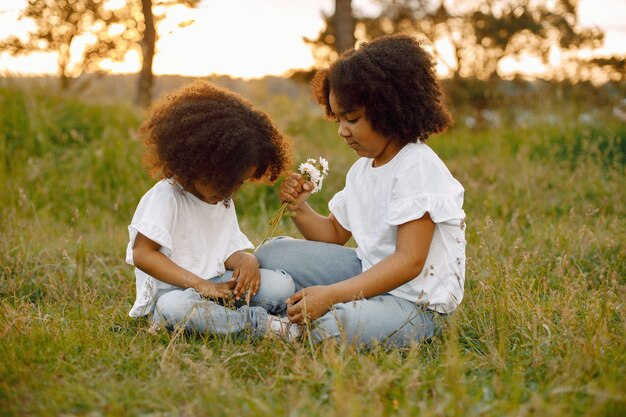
314, 171
311, 170
324, 164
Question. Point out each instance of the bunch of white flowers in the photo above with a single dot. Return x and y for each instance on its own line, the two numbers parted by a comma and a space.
312, 170
315, 172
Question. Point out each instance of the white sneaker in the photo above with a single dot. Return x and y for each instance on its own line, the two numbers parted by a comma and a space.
283, 328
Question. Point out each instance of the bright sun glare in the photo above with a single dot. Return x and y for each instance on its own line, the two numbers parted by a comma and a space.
251, 38
242, 38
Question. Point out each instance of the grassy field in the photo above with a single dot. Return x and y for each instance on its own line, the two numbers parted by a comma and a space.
542, 329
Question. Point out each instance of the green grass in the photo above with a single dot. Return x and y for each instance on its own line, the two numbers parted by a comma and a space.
541, 331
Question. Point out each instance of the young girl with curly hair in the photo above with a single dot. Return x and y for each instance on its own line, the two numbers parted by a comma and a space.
400, 203
185, 242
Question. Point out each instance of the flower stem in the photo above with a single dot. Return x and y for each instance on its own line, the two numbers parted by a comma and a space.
274, 222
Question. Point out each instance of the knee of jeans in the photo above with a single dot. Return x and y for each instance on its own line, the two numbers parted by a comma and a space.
168, 309
337, 323
269, 253
345, 313
349, 321
278, 284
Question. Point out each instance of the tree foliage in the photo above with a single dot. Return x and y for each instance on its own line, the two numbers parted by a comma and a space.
480, 33
338, 35
613, 66
82, 33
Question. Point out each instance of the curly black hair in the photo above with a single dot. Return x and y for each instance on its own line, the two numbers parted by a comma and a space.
393, 77
201, 132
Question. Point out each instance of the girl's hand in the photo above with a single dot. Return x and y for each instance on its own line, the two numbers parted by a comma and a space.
309, 303
247, 276
294, 191
221, 290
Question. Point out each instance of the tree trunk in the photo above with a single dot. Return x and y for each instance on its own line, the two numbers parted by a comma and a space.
64, 83
146, 78
344, 26
62, 63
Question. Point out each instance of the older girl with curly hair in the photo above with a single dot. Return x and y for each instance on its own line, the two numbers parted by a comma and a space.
400, 203
189, 254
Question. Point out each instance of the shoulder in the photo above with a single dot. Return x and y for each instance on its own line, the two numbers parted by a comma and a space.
422, 183
167, 187
418, 155
420, 168
359, 166
419, 161
163, 192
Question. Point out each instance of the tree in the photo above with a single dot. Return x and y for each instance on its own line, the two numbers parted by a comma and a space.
612, 67
145, 83
338, 34
84, 33
518, 27
78, 28
344, 25
149, 38
480, 33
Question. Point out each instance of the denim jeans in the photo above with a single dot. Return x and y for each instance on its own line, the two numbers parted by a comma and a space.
385, 319
187, 308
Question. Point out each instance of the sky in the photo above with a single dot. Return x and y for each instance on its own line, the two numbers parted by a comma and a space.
254, 38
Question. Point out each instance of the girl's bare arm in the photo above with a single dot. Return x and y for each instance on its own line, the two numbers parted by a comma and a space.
407, 262
146, 256
313, 226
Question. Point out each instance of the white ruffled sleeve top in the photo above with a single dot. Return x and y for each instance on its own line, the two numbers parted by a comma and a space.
195, 235
376, 200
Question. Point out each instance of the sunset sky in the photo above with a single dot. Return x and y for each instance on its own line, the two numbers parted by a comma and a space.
253, 38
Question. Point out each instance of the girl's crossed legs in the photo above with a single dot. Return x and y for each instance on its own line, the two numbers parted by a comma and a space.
188, 309
386, 319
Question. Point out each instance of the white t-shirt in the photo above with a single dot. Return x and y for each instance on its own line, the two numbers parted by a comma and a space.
195, 235
376, 200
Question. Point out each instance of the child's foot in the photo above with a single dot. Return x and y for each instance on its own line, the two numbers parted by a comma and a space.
283, 328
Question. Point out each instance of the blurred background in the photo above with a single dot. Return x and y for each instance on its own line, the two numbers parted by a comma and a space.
486, 50
537, 90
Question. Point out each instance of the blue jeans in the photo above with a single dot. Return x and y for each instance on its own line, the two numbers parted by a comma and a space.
188, 309
385, 319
